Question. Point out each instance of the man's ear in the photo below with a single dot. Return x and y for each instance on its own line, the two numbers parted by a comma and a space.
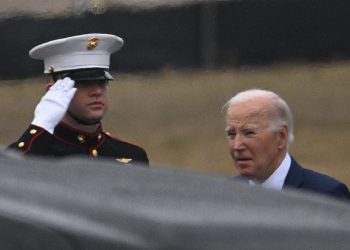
283, 137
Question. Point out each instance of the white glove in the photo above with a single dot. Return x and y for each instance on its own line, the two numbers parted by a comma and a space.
54, 104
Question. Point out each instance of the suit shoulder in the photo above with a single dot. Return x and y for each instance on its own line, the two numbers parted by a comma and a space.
312, 175
326, 184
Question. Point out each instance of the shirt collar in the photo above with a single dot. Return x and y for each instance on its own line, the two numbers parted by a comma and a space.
276, 180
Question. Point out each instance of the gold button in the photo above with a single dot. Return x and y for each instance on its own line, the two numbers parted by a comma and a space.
33, 131
81, 138
21, 144
94, 153
99, 137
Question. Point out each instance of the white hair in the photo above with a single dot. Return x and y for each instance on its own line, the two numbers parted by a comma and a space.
280, 111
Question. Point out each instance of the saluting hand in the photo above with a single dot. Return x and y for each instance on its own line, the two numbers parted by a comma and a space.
54, 104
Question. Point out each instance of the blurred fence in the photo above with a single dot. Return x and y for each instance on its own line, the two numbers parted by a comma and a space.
193, 35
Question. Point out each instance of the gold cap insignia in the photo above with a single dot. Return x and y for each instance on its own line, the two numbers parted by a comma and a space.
93, 42
124, 160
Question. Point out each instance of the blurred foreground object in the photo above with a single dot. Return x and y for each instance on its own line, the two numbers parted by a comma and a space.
80, 204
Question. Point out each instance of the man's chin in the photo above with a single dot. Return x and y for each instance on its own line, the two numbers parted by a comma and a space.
95, 116
94, 120
245, 169
243, 164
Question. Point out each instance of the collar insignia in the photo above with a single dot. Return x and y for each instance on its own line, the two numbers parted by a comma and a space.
124, 160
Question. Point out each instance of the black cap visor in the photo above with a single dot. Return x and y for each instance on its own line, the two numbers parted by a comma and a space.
86, 75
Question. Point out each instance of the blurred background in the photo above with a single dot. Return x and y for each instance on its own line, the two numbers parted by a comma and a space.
182, 60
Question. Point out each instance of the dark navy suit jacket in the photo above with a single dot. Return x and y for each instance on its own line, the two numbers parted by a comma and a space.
305, 179
308, 180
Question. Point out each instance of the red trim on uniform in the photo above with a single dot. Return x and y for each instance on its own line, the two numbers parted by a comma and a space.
117, 139
101, 142
65, 125
70, 143
32, 140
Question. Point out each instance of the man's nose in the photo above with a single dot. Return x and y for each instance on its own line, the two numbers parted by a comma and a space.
96, 89
238, 142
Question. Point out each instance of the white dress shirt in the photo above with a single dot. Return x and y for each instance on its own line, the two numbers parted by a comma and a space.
276, 180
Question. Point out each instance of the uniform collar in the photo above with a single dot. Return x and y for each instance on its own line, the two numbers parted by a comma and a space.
78, 137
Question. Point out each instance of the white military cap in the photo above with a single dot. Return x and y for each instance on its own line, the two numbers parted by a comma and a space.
76, 53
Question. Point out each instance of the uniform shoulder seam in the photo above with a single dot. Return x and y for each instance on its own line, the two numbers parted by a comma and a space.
120, 140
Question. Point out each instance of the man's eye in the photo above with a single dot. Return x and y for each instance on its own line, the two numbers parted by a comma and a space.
249, 133
231, 133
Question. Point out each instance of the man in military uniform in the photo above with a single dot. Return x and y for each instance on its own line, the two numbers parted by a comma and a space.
67, 120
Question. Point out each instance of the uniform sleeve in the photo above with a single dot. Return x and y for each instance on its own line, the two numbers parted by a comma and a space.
143, 159
34, 141
341, 191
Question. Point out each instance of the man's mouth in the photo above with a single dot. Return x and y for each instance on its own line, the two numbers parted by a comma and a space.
242, 160
96, 104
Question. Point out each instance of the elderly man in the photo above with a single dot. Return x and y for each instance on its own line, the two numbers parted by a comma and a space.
67, 120
259, 126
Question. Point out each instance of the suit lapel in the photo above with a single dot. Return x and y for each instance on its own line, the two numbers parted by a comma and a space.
295, 175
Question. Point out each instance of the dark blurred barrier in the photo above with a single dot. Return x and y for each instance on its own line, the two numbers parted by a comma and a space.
255, 32
80, 204
228, 33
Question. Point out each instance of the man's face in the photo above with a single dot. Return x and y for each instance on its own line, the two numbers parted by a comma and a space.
256, 150
90, 101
